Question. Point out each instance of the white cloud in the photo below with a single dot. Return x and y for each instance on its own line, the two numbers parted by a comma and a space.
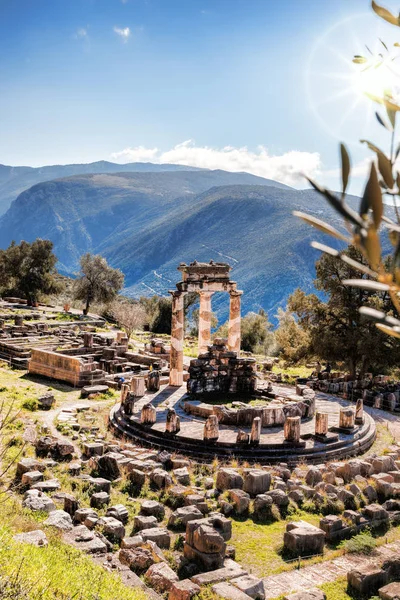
288, 168
123, 32
82, 32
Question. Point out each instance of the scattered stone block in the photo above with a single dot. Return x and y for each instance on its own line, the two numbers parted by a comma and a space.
228, 591
250, 585
161, 577
183, 590
228, 479
36, 501
181, 516
31, 477
240, 501
151, 508
108, 466
35, 538
142, 522
312, 594
99, 500
256, 481
160, 478
132, 542
112, 528
93, 449
367, 580
119, 512
303, 539
390, 591
60, 520
159, 535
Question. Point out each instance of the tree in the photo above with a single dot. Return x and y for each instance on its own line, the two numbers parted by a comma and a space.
337, 329
364, 228
129, 315
256, 332
294, 341
97, 281
29, 269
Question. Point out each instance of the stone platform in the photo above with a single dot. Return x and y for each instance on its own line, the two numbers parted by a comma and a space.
271, 449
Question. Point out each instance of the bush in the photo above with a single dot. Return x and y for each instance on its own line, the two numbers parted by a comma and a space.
30, 404
362, 543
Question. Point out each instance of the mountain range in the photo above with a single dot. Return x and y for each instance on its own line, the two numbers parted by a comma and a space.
147, 220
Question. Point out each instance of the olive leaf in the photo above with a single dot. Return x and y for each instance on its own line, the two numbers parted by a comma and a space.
324, 248
373, 247
321, 225
386, 101
389, 330
366, 284
372, 198
345, 167
385, 14
381, 121
342, 208
359, 60
358, 266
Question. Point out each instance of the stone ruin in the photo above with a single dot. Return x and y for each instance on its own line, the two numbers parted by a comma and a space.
220, 370
204, 279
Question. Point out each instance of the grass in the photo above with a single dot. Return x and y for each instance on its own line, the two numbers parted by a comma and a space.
259, 546
56, 571
363, 543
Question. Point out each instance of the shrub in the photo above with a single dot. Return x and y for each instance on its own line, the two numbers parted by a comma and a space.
362, 543
30, 404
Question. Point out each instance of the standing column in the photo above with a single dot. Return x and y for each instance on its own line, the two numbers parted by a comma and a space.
234, 322
177, 334
204, 321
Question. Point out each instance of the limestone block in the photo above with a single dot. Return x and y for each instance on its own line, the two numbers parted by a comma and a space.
183, 590
228, 479
256, 481
161, 577
291, 429
148, 415
367, 580
211, 429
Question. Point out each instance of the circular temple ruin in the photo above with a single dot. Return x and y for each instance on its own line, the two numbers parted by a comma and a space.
220, 407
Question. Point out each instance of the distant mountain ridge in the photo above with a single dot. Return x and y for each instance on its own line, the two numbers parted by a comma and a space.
147, 222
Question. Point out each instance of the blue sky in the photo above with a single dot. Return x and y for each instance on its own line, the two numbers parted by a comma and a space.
206, 82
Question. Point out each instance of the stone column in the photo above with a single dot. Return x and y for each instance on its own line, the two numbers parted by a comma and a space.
255, 434
177, 335
360, 411
173, 422
234, 322
124, 392
346, 418
211, 429
88, 339
138, 386
204, 321
148, 415
321, 423
291, 429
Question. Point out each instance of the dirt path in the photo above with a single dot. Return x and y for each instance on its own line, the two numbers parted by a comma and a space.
315, 575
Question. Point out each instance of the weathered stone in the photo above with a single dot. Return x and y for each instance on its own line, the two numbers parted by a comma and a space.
313, 476
256, 481
99, 484
71, 504
87, 541
291, 429
228, 479
160, 478
50, 485
312, 594
161, 577
137, 477
112, 528
346, 418
60, 520
38, 501
99, 500
151, 508
148, 415
367, 579
82, 513
183, 590
172, 423
119, 512
211, 429
240, 500
138, 386
230, 570
93, 449
182, 476
262, 506
321, 423
229, 592
255, 434
28, 464
390, 591
208, 540
143, 522
35, 538
159, 535
375, 513
181, 516
279, 497
137, 559
303, 539
250, 585
108, 466
31, 477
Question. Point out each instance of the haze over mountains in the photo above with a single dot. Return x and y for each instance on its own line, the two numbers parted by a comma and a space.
149, 218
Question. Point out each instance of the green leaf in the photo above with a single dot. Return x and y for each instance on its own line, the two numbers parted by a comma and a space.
385, 14
392, 116
321, 225
359, 60
345, 167
385, 101
384, 164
